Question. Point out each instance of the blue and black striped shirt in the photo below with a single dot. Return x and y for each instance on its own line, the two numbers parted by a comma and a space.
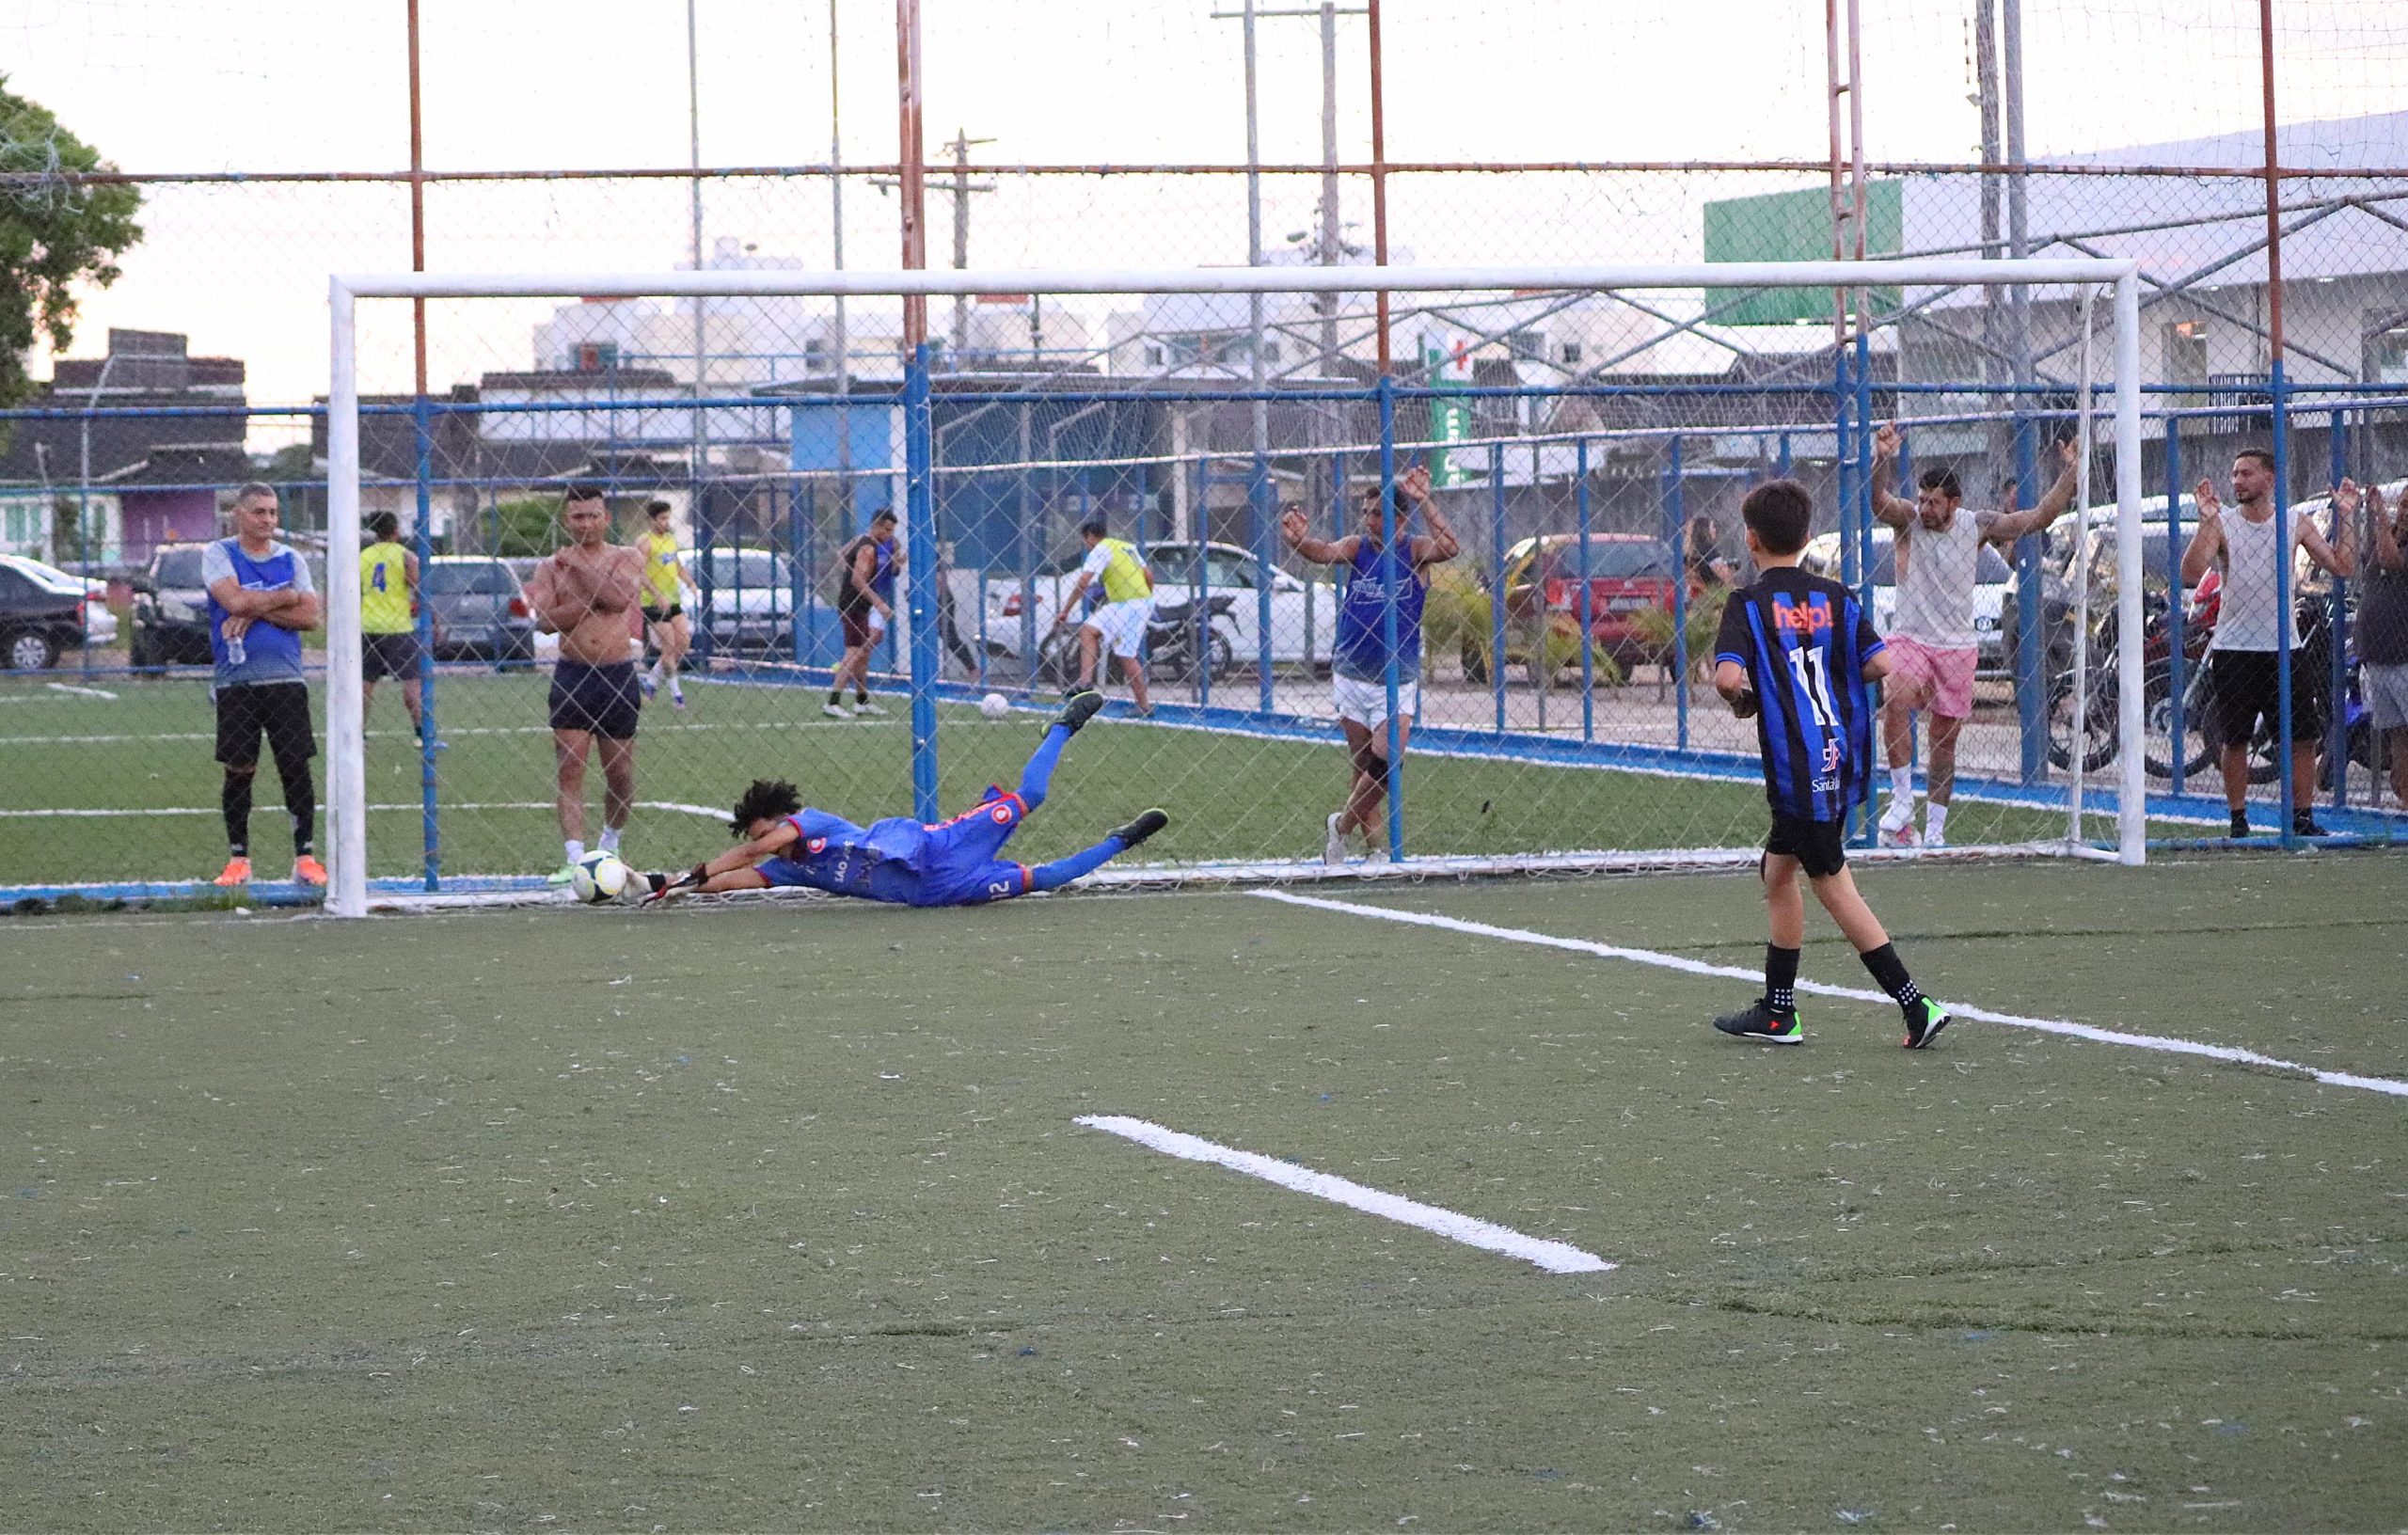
1804, 642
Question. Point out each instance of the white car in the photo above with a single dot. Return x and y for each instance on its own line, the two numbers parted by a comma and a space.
751, 602
1992, 579
1304, 616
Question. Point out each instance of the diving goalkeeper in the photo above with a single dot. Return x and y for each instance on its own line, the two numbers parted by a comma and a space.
900, 860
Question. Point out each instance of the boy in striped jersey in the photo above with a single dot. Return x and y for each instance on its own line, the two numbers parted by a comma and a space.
1794, 653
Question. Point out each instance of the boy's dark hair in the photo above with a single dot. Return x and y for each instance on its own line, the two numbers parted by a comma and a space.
2265, 459
768, 799
885, 513
1943, 480
1093, 527
581, 491
1779, 512
384, 524
653, 509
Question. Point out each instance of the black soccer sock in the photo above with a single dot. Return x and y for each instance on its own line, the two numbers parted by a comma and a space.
235, 800
835, 695
301, 800
860, 695
1780, 978
1889, 974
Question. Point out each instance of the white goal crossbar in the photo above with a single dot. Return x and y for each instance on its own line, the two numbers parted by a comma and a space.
346, 745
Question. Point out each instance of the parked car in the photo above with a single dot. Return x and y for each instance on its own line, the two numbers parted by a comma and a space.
1992, 579
39, 615
478, 610
99, 623
1629, 574
750, 601
170, 609
1304, 616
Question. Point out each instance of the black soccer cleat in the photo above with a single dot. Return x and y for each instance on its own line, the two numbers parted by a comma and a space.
2304, 825
1760, 1022
1137, 831
1078, 709
1924, 1020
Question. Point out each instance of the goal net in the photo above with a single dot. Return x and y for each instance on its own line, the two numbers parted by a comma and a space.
876, 555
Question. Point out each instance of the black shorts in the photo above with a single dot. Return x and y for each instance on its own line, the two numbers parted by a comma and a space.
1819, 847
388, 655
662, 615
279, 710
2247, 684
856, 624
601, 699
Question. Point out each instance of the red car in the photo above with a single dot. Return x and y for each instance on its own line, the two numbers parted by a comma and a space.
1628, 575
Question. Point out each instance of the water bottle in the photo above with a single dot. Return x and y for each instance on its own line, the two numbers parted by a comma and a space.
235, 655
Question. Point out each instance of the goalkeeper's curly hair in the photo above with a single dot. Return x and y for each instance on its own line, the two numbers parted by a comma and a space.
766, 800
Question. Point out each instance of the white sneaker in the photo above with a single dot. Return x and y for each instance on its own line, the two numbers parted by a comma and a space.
1934, 839
1376, 857
1898, 825
866, 706
1332, 851
835, 711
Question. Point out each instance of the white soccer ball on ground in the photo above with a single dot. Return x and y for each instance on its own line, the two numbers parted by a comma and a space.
599, 878
995, 706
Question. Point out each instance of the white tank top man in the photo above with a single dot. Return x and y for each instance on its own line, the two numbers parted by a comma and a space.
2245, 655
1931, 631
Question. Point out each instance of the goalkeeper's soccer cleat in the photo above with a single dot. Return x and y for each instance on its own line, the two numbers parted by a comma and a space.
1137, 831
308, 871
236, 872
1078, 709
1760, 1022
1924, 1020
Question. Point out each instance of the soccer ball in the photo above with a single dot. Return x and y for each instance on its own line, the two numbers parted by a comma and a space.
995, 705
599, 878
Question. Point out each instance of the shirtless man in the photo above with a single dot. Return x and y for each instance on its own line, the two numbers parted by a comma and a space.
587, 595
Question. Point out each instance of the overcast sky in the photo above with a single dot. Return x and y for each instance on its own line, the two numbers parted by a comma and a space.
308, 85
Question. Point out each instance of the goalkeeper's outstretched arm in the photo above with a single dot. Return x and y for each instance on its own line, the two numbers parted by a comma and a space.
731, 870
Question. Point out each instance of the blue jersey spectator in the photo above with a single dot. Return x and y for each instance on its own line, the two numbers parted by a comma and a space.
260, 601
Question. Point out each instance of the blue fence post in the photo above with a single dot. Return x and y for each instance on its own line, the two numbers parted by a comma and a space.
2337, 728
2289, 802
1781, 465
797, 577
1496, 579
921, 575
706, 573
1580, 604
2032, 613
422, 420
2176, 603
1025, 545
1863, 442
1389, 531
1259, 502
1675, 512
1199, 612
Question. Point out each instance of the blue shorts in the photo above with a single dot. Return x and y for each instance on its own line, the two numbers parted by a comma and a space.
960, 867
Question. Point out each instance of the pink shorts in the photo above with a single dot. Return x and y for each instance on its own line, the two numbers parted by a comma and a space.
1946, 675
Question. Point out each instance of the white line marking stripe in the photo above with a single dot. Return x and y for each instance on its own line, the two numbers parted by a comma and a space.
678, 727
83, 692
445, 804
2390, 1085
1554, 1256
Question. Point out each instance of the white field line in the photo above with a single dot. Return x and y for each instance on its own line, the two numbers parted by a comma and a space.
1554, 1256
2388, 1086
80, 692
448, 735
213, 810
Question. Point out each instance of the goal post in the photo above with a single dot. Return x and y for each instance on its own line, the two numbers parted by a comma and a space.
919, 467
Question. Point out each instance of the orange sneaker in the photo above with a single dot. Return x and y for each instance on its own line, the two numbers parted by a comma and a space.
236, 872
308, 871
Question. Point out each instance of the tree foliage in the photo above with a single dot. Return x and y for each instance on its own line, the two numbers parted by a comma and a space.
56, 232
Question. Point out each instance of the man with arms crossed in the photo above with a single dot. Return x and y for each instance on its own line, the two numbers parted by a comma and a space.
2383, 628
866, 606
1397, 574
666, 581
2246, 653
1931, 639
1114, 568
260, 600
587, 593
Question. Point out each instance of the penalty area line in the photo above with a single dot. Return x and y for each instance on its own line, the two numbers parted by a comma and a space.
2167, 1044
1553, 1256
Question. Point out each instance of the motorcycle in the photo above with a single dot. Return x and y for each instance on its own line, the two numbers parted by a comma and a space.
1180, 647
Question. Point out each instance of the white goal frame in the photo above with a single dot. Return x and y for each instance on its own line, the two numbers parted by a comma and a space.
346, 785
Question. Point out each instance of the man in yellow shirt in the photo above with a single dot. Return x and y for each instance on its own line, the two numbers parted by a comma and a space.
1115, 567
387, 629
665, 581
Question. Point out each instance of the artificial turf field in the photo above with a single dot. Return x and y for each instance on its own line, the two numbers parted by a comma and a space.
100, 789
775, 1215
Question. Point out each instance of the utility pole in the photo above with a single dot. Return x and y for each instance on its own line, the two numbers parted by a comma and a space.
1986, 103
962, 189
912, 184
